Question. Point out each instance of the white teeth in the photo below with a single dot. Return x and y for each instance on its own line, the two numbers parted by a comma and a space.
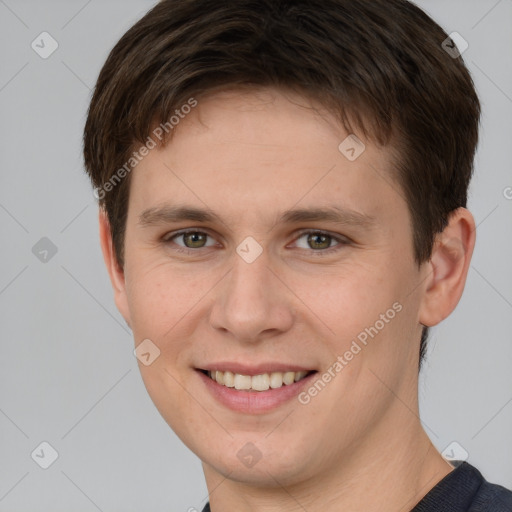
300, 375
276, 380
228, 378
288, 378
260, 382
242, 381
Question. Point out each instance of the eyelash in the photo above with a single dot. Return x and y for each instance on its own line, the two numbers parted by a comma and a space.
342, 241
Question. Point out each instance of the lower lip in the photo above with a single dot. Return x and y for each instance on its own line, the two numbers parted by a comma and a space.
254, 402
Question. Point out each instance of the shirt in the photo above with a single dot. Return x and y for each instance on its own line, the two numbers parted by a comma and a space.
463, 490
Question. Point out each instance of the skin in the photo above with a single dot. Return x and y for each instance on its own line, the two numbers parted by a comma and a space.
248, 156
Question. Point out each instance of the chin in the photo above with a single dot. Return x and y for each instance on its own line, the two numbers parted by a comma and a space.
271, 470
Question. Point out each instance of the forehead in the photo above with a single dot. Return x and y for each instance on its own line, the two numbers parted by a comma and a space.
256, 149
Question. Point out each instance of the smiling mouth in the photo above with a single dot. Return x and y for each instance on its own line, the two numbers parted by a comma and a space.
261, 382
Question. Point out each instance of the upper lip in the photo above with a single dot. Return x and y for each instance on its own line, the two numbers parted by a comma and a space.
258, 369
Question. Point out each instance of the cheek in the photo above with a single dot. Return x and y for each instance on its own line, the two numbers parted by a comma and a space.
345, 299
363, 314
159, 297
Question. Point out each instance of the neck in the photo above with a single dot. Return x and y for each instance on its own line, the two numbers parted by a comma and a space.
390, 470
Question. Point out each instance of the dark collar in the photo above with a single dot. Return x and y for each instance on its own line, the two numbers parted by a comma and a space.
454, 493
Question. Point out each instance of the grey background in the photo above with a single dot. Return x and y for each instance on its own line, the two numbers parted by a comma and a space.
67, 371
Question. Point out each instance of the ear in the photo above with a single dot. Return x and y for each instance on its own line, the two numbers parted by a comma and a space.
115, 272
447, 268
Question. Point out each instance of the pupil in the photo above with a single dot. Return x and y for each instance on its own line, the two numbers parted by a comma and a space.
314, 239
195, 237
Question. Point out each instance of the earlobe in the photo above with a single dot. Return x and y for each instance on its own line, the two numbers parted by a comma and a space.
448, 268
116, 274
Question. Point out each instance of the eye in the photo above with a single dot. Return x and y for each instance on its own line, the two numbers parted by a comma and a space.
192, 239
320, 242
317, 242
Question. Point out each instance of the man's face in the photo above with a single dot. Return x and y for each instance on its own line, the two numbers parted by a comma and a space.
250, 288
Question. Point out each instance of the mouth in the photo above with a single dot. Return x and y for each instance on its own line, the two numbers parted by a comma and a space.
257, 383
254, 389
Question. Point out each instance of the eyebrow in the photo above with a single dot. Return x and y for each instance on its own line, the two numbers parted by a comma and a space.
168, 213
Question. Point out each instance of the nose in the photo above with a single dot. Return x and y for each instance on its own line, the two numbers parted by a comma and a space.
252, 303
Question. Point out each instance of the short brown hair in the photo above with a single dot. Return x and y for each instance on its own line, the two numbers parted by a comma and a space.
379, 65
